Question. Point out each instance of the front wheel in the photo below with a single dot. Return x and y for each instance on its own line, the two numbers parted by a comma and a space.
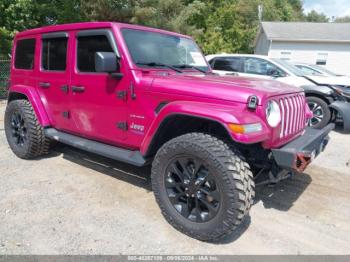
203, 187
321, 112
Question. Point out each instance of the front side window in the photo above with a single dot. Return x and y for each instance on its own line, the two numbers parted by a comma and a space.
231, 64
54, 54
24, 55
87, 47
157, 48
260, 67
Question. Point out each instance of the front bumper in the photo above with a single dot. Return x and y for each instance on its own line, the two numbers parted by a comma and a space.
343, 108
298, 154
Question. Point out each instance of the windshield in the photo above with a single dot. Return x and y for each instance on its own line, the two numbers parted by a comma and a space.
323, 70
290, 67
150, 48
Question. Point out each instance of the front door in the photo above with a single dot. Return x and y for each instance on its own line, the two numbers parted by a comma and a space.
257, 67
98, 107
54, 78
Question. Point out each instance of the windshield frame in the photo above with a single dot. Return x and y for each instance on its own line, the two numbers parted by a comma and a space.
136, 64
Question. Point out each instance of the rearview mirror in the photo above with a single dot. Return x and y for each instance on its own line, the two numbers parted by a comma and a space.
106, 62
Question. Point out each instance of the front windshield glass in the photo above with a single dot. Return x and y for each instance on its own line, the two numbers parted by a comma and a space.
157, 49
324, 70
290, 67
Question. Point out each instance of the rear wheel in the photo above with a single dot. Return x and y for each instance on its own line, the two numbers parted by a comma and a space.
321, 112
203, 188
24, 133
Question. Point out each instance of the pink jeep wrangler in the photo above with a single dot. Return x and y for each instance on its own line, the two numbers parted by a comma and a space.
147, 96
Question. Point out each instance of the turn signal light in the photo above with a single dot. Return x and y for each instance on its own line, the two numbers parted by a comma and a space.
245, 129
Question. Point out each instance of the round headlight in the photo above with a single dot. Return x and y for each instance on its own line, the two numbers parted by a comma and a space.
273, 113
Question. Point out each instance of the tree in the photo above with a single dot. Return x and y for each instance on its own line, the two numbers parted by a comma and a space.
19, 15
107, 10
313, 16
217, 26
344, 19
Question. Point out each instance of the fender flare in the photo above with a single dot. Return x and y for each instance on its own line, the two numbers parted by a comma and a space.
344, 109
33, 97
222, 114
323, 93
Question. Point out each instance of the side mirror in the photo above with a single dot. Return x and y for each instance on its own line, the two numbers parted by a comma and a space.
275, 73
271, 72
106, 62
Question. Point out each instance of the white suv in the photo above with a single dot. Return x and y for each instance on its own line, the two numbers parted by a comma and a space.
257, 66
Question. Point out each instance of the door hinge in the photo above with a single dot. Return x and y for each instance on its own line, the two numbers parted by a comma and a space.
122, 94
123, 125
65, 114
64, 88
132, 91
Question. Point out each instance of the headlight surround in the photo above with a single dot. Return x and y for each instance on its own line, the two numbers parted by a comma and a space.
273, 113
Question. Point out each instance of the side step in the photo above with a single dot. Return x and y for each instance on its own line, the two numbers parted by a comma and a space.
131, 157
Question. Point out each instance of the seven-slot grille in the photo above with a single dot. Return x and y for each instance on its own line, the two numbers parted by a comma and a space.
293, 114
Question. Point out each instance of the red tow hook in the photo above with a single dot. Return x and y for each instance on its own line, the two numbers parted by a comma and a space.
301, 162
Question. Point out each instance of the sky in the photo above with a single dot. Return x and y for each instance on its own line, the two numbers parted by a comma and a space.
331, 8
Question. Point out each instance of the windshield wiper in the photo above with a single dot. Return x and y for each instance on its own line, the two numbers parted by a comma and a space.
154, 64
184, 66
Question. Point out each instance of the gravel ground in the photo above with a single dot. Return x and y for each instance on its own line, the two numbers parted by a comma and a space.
72, 202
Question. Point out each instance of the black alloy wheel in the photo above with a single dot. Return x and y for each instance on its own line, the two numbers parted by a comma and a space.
203, 186
18, 129
191, 189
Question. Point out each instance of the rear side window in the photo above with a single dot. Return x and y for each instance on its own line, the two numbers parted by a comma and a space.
54, 54
87, 47
227, 64
24, 55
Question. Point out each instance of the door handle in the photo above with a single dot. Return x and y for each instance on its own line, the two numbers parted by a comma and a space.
78, 89
44, 84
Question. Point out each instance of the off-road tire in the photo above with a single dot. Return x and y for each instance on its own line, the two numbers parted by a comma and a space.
327, 114
36, 143
232, 174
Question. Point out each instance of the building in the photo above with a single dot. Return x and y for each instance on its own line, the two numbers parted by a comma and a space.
326, 44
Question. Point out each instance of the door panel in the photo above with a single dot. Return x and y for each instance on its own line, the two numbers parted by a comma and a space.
96, 109
54, 78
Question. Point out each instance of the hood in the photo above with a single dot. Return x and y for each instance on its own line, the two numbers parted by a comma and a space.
230, 88
331, 80
299, 81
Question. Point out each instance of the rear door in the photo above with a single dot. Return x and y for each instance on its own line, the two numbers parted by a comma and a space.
226, 65
54, 78
261, 68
